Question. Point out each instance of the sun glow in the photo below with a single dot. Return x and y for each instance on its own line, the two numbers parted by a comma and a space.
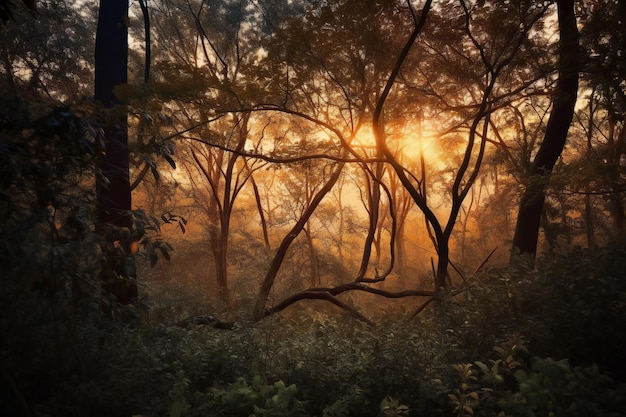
415, 146
406, 145
414, 141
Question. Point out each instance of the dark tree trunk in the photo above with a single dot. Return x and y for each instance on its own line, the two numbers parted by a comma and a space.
111, 57
532, 200
112, 183
111, 62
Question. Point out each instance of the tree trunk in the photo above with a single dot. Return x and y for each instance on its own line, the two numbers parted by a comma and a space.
589, 233
374, 215
112, 183
532, 200
111, 62
443, 260
259, 206
400, 250
314, 271
281, 252
221, 260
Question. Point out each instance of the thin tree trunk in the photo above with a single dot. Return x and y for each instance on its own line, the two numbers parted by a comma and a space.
589, 222
532, 200
259, 206
588, 216
314, 272
281, 252
400, 249
374, 217
341, 225
616, 203
146, 28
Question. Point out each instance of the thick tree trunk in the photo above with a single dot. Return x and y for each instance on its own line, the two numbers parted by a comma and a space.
112, 184
222, 265
532, 200
218, 243
111, 55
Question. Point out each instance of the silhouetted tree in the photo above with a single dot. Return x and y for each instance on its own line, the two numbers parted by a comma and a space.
564, 99
113, 184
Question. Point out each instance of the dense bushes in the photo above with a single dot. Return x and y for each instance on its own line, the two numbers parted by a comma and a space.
320, 364
572, 306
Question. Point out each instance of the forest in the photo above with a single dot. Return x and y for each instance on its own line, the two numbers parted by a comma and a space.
313, 208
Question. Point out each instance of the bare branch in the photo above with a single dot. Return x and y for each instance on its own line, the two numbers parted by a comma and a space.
330, 294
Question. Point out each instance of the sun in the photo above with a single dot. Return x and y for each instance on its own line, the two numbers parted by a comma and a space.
417, 142
407, 144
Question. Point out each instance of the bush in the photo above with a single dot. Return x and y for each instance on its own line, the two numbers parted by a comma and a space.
515, 385
572, 306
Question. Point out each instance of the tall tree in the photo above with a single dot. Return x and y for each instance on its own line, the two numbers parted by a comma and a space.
113, 184
603, 40
217, 178
494, 40
564, 99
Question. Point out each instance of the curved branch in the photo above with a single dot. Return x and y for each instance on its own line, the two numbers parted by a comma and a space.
314, 295
330, 294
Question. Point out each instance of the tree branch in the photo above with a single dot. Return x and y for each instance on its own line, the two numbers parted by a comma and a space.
330, 294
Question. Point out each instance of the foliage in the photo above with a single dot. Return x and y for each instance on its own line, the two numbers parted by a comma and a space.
46, 53
329, 366
258, 399
574, 306
61, 334
65, 356
516, 386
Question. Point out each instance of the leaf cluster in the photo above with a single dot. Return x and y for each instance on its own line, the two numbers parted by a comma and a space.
532, 386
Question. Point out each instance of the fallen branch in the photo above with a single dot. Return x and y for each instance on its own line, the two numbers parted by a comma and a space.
317, 295
330, 294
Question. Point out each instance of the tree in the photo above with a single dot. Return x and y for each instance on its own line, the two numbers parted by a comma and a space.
564, 99
222, 176
113, 177
496, 57
491, 58
603, 40
46, 59
330, 66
